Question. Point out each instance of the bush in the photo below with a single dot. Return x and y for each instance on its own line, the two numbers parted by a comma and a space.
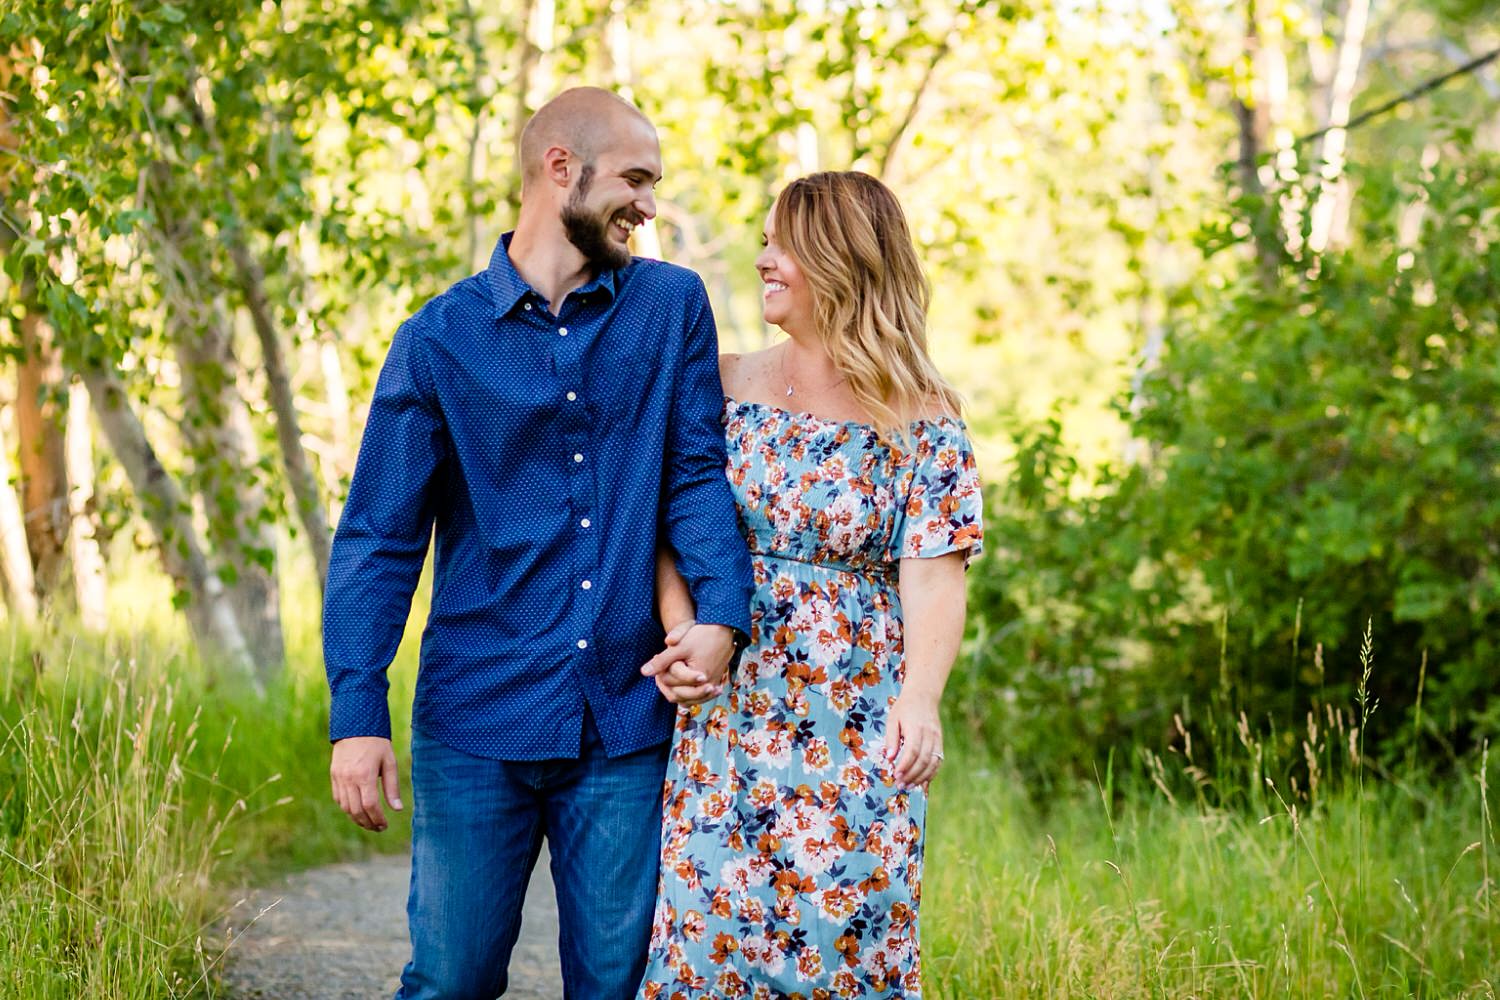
1324, 452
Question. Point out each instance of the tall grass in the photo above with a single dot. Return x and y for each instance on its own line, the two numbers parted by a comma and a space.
135, 793
136, 789
1294, 868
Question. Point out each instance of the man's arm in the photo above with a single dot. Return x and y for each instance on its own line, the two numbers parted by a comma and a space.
376, 561
700, 521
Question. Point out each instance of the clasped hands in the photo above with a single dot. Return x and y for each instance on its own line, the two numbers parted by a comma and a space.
694, 666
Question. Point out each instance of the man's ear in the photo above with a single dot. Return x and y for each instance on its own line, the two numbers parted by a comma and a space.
557, 165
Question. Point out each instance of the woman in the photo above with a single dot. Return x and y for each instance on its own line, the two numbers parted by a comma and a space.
795, 797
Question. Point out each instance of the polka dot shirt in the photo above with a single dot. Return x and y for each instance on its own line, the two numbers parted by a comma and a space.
542, 454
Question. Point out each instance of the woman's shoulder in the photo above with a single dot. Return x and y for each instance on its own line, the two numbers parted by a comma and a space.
938, 409
739, 373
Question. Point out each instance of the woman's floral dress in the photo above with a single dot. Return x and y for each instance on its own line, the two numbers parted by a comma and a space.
791, 861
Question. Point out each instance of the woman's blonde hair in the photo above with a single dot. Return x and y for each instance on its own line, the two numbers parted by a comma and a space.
847, 233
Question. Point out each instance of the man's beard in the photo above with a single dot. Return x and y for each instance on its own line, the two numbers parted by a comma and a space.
589, 232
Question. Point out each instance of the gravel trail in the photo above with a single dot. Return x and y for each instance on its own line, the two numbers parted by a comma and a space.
339, 933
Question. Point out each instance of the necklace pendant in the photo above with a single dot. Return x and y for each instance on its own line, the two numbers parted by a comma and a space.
788, 390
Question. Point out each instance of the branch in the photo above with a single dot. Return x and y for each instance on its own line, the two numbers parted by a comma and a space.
1404, 98
894, 142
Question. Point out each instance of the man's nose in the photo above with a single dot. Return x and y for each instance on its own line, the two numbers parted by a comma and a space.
646, 204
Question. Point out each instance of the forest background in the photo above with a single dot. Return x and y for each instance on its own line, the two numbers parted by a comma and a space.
1219, 280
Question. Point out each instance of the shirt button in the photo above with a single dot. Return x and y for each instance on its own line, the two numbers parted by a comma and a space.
587, 584
572, 396
562, 331
583, 644
528, 307
585, 523
578, 456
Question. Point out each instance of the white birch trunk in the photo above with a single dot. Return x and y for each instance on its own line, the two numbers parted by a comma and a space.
167, 511
1340, 100
89, 584
15, 560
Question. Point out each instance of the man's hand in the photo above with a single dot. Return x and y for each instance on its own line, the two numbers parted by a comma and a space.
693, 667
362, 767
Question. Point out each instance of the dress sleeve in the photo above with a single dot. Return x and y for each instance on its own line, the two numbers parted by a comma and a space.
943, 509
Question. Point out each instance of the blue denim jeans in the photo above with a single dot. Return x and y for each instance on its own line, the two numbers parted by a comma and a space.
477, 827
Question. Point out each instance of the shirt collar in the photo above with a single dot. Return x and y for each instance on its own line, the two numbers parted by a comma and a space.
508, 287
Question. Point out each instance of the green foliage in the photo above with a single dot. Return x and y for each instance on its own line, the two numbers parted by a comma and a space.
133, 794
1317, 453
1134, 893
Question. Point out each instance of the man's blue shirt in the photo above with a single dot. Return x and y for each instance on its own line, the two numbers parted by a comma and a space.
549, 451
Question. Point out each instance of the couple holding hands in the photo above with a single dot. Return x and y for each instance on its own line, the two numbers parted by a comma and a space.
691, 613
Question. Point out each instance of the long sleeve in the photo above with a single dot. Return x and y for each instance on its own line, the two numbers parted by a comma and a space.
382, 540
700, 519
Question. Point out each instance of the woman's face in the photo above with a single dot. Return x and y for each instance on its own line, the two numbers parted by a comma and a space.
786, 299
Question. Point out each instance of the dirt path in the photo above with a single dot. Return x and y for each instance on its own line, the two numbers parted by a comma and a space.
339, 933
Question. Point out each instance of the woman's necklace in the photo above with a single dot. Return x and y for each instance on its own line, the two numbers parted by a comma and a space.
787, 380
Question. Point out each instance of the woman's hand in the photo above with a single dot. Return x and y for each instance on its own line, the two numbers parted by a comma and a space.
914, 738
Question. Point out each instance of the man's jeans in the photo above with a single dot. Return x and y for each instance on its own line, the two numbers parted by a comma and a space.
477, 826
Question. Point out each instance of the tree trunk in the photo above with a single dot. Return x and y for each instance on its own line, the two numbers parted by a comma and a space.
89, 587
533, 76
43, 470
1254, 124
168, 512
216, 425
299, 470
1334, 196
251, 279
42, 456
15, 560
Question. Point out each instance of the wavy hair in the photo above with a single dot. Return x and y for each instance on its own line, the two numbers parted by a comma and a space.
847, 233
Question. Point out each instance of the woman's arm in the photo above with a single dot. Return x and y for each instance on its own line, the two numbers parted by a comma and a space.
674, 602
933, 598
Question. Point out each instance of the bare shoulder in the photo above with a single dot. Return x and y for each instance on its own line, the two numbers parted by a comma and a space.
730, 366
937, 408
741, 373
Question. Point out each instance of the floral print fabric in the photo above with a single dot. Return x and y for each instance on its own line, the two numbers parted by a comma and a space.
791, 861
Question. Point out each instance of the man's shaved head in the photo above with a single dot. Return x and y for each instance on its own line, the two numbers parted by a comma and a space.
583, 120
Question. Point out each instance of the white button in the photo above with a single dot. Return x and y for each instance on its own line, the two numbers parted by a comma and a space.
583, 644
572, 396
578, 457
587, 584
585, 522
562, 331
528, 307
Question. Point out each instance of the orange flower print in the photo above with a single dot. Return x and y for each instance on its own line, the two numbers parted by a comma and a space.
855, 778
839, 903
845, 983
763, 794
842, 835
847, 946
752, 911
815, 755
724, 945
828, 795
792, 856
787, 882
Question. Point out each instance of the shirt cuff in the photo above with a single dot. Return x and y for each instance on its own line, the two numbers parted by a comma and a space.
727, 605
359, 712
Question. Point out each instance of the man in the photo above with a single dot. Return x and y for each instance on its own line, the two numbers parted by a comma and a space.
550, 416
